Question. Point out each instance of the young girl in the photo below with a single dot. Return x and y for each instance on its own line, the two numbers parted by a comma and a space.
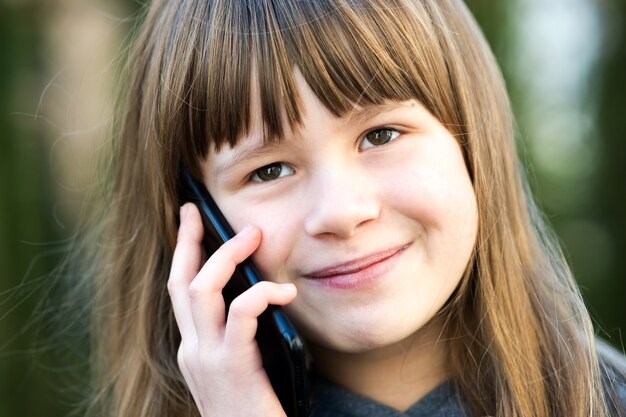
364, 151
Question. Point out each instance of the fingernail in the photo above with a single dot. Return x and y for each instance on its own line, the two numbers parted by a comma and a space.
245, 231
183, 213
288, 287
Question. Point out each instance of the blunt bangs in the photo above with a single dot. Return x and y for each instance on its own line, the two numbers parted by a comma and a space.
351, 52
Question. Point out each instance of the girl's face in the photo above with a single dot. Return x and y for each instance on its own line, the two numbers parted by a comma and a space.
372, 216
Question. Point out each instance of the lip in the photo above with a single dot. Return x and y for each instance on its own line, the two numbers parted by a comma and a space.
357, 273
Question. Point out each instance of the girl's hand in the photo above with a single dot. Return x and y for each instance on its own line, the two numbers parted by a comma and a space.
218, 356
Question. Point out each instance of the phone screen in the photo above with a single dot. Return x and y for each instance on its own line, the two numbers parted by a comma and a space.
282, 349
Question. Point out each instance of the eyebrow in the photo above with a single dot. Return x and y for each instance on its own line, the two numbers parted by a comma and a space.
261, 148
258, 149
370, 110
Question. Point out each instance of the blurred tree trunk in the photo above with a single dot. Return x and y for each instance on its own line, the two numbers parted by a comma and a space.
610, 190
27, 225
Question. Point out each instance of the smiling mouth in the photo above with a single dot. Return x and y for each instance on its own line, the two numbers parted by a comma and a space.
357, 272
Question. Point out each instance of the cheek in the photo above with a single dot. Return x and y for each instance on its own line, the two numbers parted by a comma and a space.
438, 178
279, 224
437, 193
429, 193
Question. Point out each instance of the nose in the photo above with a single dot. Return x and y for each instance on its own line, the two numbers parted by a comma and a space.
343, 200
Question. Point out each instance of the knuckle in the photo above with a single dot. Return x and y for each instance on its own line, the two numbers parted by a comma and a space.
240, 307
172, 286
196, 290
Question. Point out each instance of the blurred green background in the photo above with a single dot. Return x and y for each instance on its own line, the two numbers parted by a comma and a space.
564, 62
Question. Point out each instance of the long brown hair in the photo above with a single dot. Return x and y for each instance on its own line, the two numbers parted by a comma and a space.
523, 344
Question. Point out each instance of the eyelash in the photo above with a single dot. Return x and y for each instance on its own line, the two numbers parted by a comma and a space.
256, 172
379, 129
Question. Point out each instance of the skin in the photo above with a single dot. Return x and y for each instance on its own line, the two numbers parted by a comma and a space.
338, 195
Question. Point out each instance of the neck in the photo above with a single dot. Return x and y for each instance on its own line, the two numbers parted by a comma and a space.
397, 375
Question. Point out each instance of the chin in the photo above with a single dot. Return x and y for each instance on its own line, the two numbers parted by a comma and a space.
361, 329
359, 339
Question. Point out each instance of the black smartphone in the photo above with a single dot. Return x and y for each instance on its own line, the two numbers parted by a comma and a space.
282, 349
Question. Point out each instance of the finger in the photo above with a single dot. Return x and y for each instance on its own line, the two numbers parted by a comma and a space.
205, 291
244, 311
185, 266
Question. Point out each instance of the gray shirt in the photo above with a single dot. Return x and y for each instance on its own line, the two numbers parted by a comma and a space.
334, 401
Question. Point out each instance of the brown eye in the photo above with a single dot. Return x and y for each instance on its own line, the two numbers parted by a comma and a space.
272, 172
378, 137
